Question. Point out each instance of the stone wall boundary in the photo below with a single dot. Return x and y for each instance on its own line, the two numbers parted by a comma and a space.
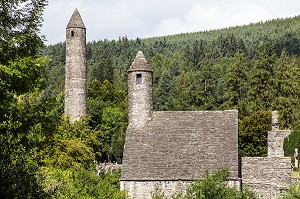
267, 176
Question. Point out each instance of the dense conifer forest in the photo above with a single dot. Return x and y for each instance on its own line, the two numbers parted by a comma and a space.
252, 68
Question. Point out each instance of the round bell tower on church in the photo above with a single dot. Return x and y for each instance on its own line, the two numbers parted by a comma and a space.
140, 105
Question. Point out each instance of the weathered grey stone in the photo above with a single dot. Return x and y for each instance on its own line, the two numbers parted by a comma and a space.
274, 120
267, 176
275, 142
182, 145
145, 189
276, 137
76, 20
75, 76
139, 92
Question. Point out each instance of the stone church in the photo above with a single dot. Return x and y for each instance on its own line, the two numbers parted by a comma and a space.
171, 148
167, 150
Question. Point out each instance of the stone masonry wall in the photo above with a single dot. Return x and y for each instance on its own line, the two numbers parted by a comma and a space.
275, 142
267, 176
145, 189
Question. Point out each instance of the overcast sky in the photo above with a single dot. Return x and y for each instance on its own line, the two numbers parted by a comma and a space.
110, 19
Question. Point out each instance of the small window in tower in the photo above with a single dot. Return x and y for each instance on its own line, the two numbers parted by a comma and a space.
72, 33
139, 78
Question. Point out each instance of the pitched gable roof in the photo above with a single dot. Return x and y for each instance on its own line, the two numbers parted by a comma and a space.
182, 146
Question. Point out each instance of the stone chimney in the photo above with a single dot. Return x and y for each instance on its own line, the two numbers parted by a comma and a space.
274, 120
75, 80
276, 137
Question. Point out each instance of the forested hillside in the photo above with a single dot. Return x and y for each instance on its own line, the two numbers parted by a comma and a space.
252, 68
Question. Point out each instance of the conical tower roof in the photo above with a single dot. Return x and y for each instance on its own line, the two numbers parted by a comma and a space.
140, 63
76, 20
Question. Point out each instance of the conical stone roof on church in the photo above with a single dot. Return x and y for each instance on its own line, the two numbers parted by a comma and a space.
76, 20
140, 63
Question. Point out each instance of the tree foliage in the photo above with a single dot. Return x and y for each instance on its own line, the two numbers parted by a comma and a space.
107, 107
253, 68
291, 142
68, 163
212, 186
42, 154
21, 78
292, 193
253, 134
81, 183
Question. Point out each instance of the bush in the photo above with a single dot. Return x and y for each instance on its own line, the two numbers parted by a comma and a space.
85, 184
291, 142
253, 134
292, 193
213, 186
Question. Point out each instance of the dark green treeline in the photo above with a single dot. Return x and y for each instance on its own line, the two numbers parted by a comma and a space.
253, 68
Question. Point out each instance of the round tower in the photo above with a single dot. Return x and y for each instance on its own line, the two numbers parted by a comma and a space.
75, 80
140, 103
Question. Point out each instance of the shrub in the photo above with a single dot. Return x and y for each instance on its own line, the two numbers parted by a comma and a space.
212, 186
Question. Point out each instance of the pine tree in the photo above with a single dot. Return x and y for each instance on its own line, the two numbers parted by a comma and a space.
237, 83
262, 78
165, 89
253, 133
203, 92
287, 90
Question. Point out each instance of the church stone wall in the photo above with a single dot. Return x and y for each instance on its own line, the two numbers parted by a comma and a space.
145, 189
267, 176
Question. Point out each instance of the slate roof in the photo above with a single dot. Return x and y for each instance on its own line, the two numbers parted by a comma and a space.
181, 145
76, 20
139, 63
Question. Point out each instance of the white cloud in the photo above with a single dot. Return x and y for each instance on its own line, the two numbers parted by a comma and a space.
205, 16
201, 17
144, 18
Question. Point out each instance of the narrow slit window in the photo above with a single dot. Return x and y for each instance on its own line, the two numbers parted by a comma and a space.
72, 33
138, 78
